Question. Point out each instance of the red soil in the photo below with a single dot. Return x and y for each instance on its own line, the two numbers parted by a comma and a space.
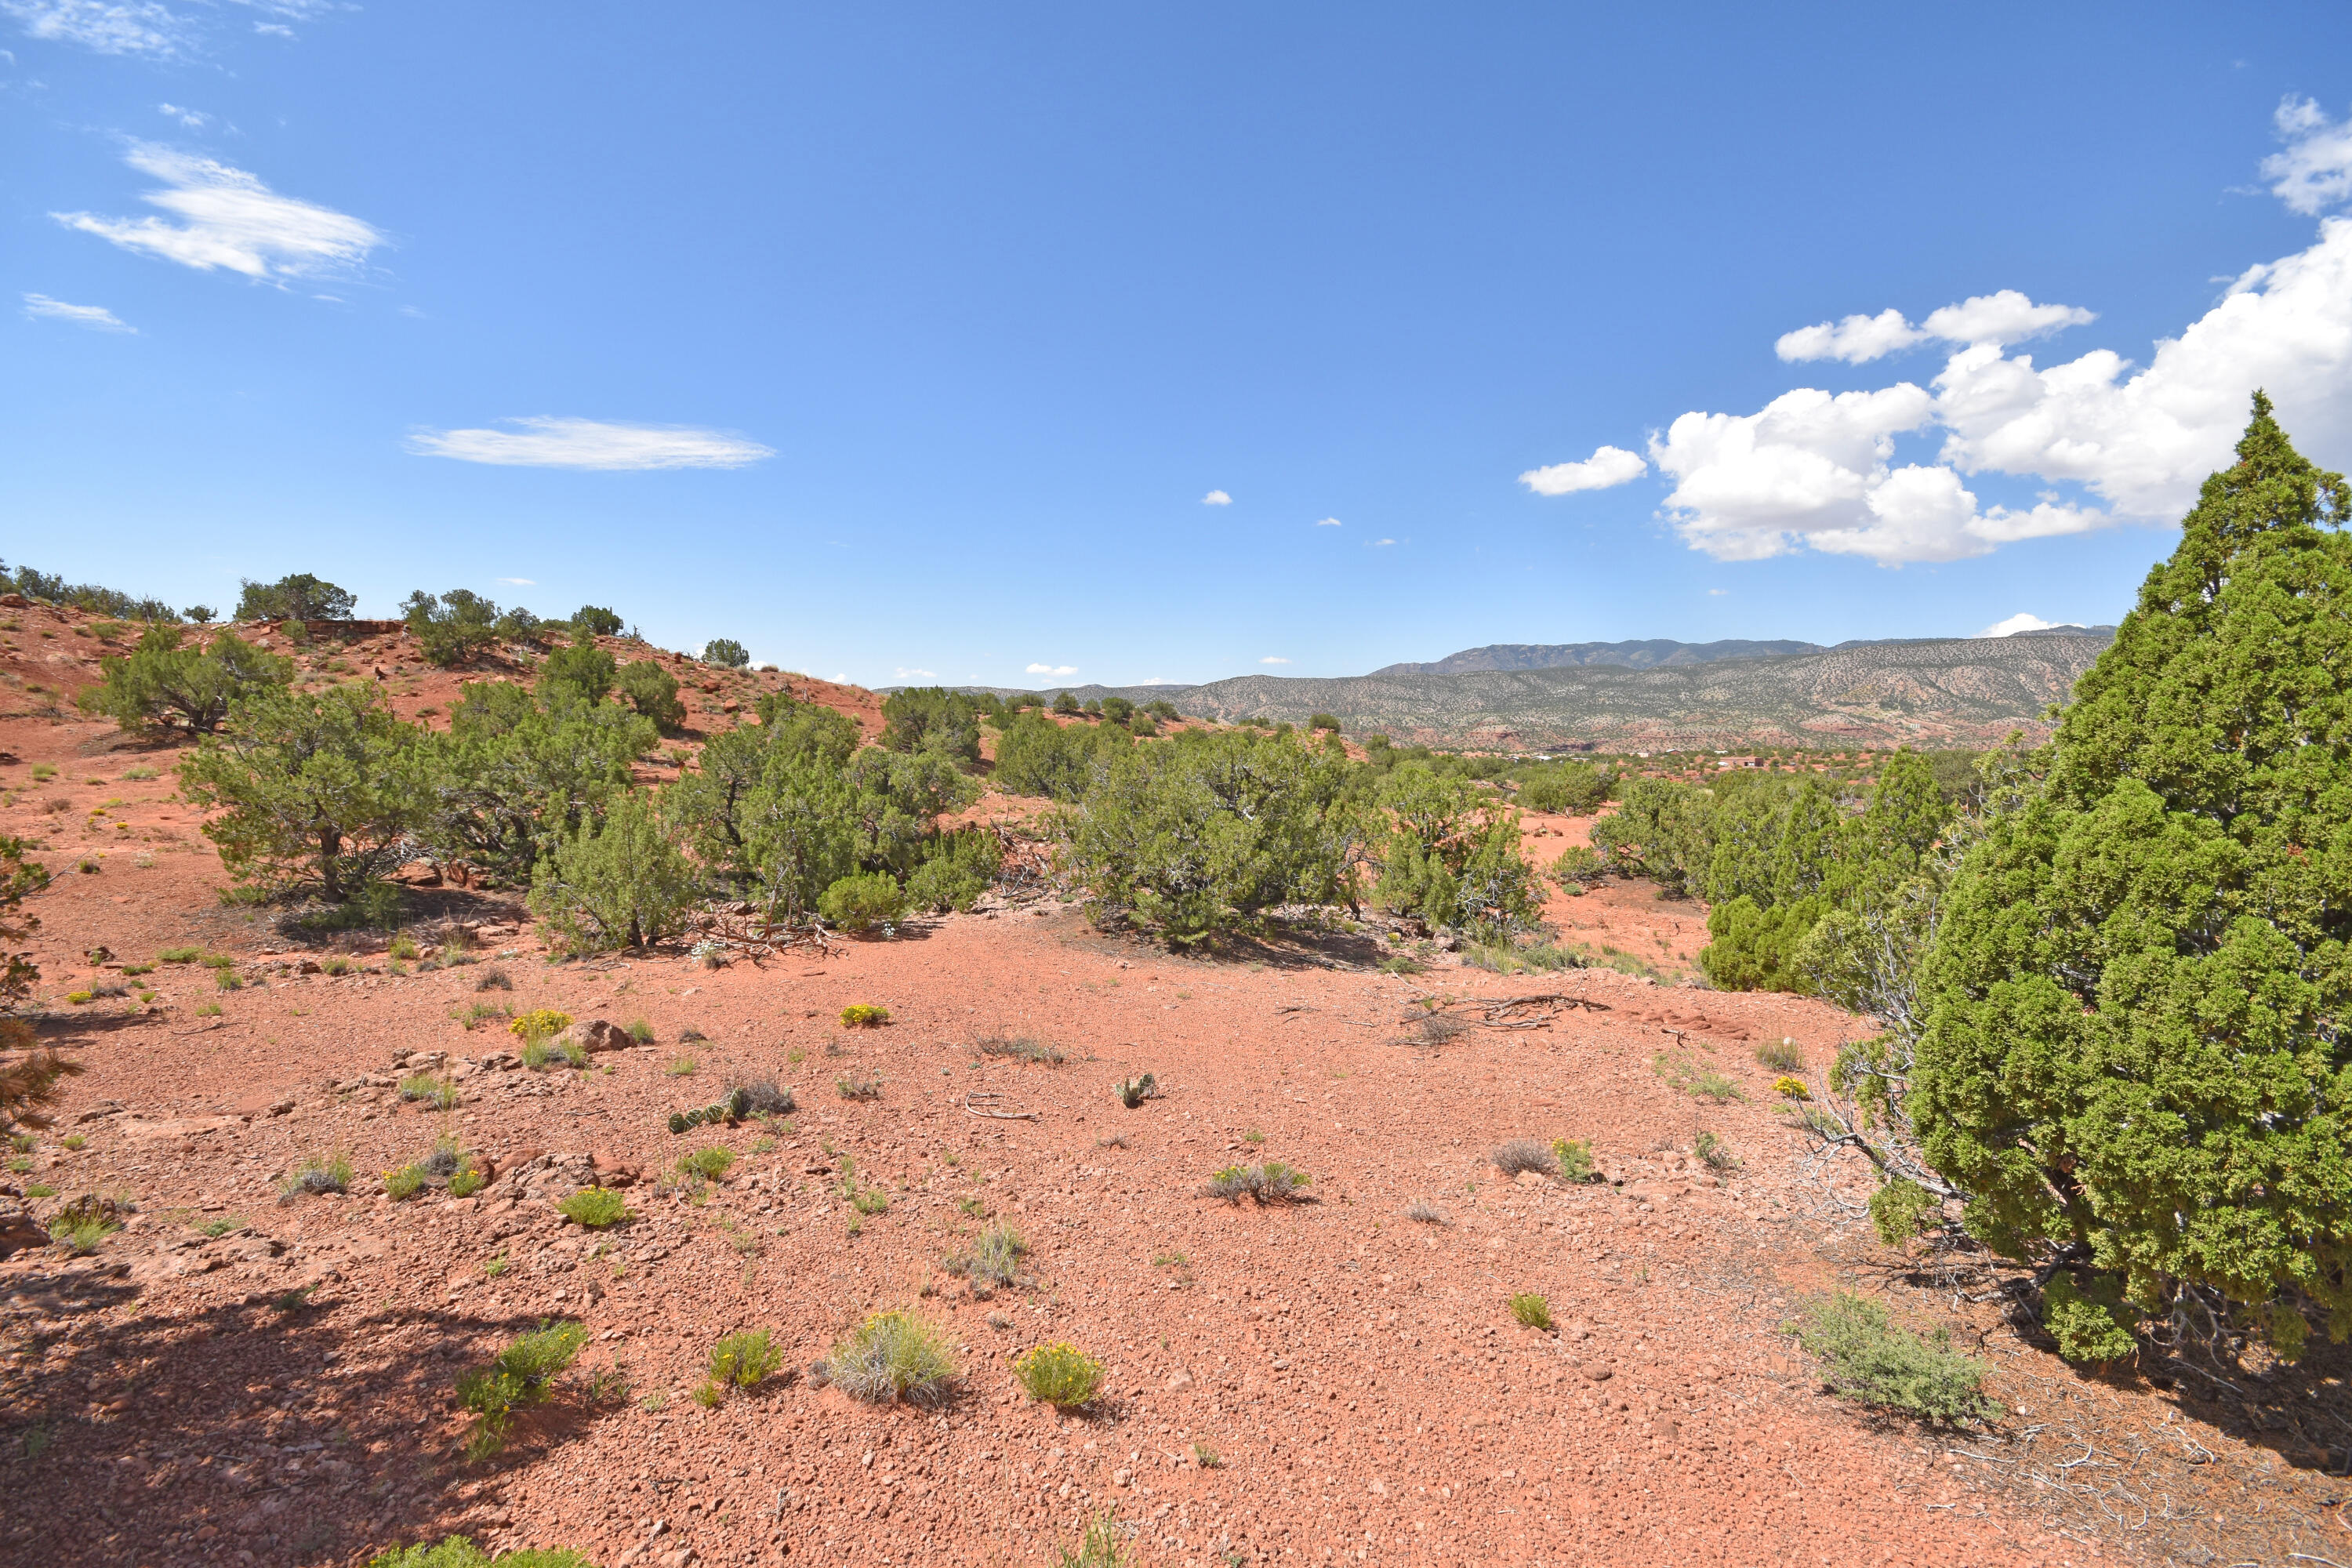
1357, 1374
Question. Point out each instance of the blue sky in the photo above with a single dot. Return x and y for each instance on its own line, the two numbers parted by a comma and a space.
907, 341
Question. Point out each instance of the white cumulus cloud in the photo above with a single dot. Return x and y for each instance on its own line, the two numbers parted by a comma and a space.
593, 444
97, 318
2100, 438
2004, 315
1330, 522
1380, 544
518, 582
2021, 622
1052, 669
227, 218
2313, 171
1274, 658
1217, 498
907, 674
1608, 465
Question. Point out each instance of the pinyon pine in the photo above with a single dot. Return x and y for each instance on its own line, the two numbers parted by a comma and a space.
2137, 1060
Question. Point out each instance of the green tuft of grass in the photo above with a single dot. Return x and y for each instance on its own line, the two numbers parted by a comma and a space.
710, 1162
1531, 1309
681, 1067
318, 1173
641, 1031
745, 1359
594, 1208
518, 1376
1099, 1547
458, 1552
1695, 1079
1780, 1056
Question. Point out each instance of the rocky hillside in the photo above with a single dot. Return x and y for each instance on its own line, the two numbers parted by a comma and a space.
1944, 691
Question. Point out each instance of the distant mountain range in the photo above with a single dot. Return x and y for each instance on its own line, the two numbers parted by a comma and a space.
1670, 696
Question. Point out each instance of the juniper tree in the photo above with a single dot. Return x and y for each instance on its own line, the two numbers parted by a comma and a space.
2137, 1057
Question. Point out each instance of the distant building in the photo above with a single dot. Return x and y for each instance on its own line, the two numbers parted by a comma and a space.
1740, 763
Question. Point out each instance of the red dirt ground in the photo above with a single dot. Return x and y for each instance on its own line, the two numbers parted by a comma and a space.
1356, 1375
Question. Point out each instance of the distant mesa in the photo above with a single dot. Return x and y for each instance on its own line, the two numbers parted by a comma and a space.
1661, 695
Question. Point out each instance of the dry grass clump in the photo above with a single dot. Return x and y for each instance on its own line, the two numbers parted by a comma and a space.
1059, 1374
1423, 1212
1695, 1079
440, 1093
1023, 1049
892, 1355
493, 979
994, 1258
317, 1174
1780, 1056
759, 1096
1714, 1152
1134, 1091
858, 1087
1271, 1183
1524, 1154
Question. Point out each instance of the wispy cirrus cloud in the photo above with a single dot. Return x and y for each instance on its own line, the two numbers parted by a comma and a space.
907, 673
228, 218
194, 119
518, 582
1330, 522
149, 28
1274, 658
97, 318
591, 443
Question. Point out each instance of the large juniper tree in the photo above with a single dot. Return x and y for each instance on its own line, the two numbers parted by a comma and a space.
2136, 1059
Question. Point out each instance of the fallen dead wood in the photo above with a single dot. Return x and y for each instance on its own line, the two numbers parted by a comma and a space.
1003, 1108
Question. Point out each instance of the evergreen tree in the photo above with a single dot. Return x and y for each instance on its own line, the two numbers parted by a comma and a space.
160, 682
2135, 1057
624, 884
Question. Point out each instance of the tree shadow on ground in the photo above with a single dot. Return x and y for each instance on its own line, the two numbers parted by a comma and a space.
314, 1432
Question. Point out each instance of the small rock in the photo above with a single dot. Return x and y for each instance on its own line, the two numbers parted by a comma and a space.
1179, 1379
1122, 1478
1598, 1371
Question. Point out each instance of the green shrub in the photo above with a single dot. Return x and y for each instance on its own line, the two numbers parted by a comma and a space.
1754, 949
325, 787
518, 1377
596, 621
2132, 1048
1866, 1357
297, 597
864, 1016
1570, 789
160, 683
641, 1031
1204, 833
1902, 1210
594, 1208
580, 673
1038, 757
725, 653
1713, 1152
1023, 1049
931, 718
957, 869
710, 1161
404, 1183
466, 1182
1452, 857
452, 627
858, 1087
1059, 1374
866, 900
2092, 1326
1782, 1055
892, 1355
1531, 1309
652, 691
179, 955
458, 1552
745, 1359
628, 885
